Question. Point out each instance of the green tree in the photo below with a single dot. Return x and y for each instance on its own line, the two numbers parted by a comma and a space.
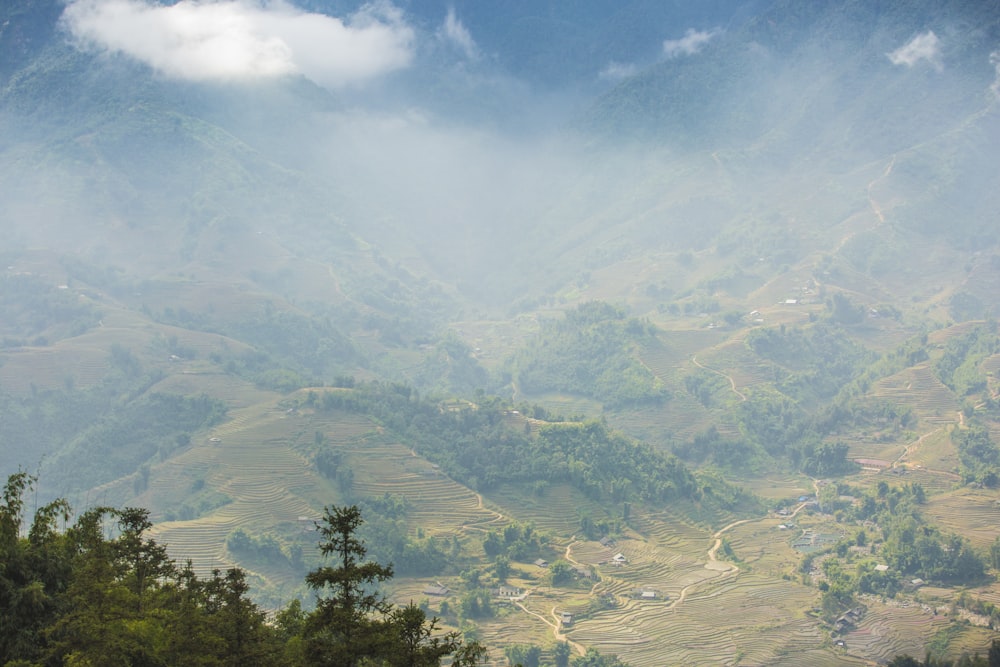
561, 654
353, 624
345, 626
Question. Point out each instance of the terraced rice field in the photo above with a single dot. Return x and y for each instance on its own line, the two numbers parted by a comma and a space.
887, 631
709, 628
919, 389
670, 357
942, 336
972, 513
51, 367
744, 367
252, 462
236, 392
558, 510
680, 417
567, 405
775, 487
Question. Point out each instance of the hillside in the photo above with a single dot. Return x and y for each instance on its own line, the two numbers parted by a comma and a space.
710, 288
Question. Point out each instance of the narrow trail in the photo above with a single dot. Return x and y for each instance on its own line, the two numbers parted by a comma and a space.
554, 624
727, 569
477, 525
910, 448
732, 382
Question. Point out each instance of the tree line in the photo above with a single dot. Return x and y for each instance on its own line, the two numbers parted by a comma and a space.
98, 592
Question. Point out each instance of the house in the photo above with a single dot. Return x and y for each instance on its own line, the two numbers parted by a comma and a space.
507, 592
541, 562
607, 541
873, 464
881, 568
437, 590
566, 618
647, 595
619, 559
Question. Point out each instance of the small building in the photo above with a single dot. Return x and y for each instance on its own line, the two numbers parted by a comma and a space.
541, 562
619, 559
647, 595
566, 618
881, 568
437, 590
873, 464
607, 541
507, 592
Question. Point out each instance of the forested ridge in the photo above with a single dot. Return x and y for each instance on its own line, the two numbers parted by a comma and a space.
477, 445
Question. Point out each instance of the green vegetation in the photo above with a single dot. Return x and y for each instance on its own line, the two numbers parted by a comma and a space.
99, 434
77, 597
478, 447
979, 455
39, 313
590, 352
958, 367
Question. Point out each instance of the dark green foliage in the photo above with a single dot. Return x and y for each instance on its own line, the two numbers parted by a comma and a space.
451, 367
992, 659
910, 546
78, 596
590, 352
127, 436
978, 453
958, 367
592, 658
821, 359
526, 655
476, 446
33, 307
388, 539
263, 549
353, 623
91, 436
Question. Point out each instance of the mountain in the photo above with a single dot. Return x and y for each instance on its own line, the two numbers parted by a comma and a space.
715, 282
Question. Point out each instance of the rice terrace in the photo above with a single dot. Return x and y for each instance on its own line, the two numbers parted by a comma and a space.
609, 333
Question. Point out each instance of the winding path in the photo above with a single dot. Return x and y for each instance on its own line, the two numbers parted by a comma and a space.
554, 624
732, 382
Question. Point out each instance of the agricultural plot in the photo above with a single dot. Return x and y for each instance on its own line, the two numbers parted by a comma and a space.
567, 405
680, 417
777, 487
765, 546
971, 513
743, 367
557, 510
248, 460
235, 391
54, 367
717, 624
918, 388
887, 631
670, 356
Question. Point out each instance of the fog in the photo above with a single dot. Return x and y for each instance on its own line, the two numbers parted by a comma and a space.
415, 132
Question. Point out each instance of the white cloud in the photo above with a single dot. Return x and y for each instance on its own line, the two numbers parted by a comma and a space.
239, 39
455, 32
922, 47
690, 44
618, 71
